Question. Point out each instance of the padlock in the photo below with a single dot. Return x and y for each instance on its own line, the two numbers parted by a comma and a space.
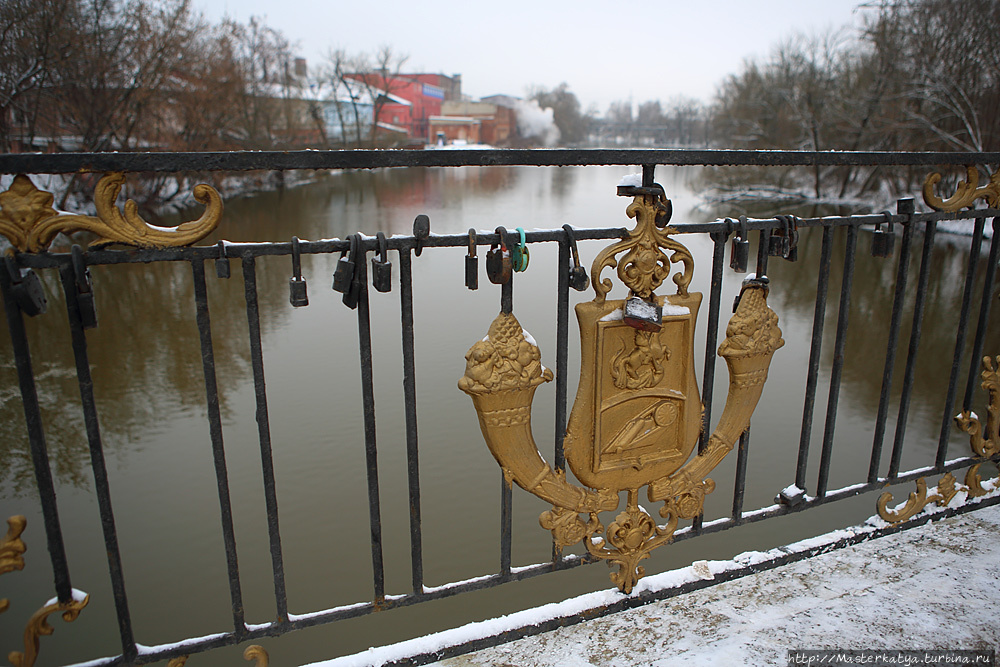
577, 274
472, 263
776, 244
498, 264
297, 294
346, 266
519, 254
739, 254
382, 267
421, 231
84, 290
222, 262
26, 289
353, 294
883, 241
641, 314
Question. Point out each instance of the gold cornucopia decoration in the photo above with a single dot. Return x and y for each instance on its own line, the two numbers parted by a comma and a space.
637, 415
30, 223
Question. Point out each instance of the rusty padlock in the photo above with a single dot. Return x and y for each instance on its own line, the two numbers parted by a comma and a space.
382, 267
577, 274
26, 289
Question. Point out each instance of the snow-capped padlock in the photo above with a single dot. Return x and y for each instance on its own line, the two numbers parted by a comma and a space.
883, 240
641, 314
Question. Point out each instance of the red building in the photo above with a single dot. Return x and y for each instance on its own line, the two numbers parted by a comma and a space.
409, 101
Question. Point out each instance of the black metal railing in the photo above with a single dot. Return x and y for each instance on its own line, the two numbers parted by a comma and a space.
916, 226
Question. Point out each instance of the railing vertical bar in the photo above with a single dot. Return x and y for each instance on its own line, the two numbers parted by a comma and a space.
36, 441
963, 328
711, 340
902, 272
815, 352
371, 449
102, 487
911, 354
838, 360
264, 432
506, 517
562, 350
410, 399
762, 248
218, 447
562, 361
739, 485
984, 316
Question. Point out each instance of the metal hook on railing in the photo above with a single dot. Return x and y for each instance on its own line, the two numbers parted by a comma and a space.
222, 262
84, 289
297, 295
472, 263
577, 274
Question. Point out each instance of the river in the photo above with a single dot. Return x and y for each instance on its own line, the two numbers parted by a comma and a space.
150, 394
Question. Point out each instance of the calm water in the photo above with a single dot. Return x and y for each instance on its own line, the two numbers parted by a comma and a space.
150, 393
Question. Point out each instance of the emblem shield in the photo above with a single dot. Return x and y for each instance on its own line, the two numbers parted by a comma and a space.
637, 414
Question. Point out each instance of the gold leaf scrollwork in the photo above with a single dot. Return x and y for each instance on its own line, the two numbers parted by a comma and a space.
30, 223
966, 193
645, 265
12, 549
38, 626
256, 653
918, 500
987, 445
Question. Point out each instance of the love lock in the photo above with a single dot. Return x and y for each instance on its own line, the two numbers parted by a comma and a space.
472, 263
883, 241
343, 275
577, 274
353, 295
519, 255
382, 267
84, 290
26, 289
643, 315
498, 260
739, 254
297, 295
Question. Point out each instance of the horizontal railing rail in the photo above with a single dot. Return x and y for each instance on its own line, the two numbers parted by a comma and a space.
916, 226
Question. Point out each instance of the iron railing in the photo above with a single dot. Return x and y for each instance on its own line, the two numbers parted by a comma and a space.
919, 232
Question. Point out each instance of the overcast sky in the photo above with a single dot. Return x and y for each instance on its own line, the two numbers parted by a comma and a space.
605, 51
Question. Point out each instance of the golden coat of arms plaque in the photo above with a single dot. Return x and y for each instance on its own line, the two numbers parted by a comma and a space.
637, 416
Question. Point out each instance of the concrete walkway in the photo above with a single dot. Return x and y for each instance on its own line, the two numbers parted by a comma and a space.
936, 586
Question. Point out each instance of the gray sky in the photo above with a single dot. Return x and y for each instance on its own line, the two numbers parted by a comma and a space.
605, 51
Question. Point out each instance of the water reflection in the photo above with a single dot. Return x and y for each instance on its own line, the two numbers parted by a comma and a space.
148, 382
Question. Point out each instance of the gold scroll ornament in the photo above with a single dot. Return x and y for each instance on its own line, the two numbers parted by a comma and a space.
984, 444
637, 415
966, 193
30, 223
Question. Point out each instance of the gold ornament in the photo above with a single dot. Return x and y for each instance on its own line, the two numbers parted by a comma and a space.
12, 549
38, 626
637, 415
966, 193
918, 500
30, 223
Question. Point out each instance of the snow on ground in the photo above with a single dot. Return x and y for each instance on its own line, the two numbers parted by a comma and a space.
930, 587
